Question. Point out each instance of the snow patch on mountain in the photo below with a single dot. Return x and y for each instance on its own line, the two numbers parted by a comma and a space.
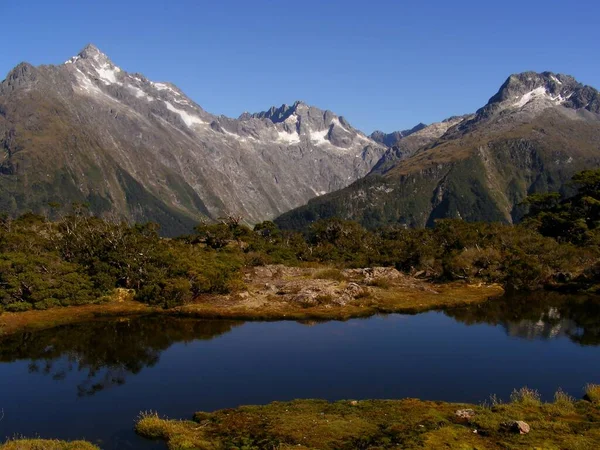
139, 93
319, 137
289, 138
108, 74
526, 98
189, 119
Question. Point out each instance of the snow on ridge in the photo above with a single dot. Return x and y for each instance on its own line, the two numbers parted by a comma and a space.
526, 98
72, 60
556, 80
540, 93
292, 119
189, 119
336, 122
139, 93
235, 135
319, 137
108, 74
165, 87
290, 138
182, 102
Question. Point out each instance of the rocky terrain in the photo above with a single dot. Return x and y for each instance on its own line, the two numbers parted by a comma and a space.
531, 136
87, 131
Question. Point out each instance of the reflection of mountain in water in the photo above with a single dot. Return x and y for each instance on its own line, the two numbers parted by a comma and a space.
549, 325
106, 350
542, 315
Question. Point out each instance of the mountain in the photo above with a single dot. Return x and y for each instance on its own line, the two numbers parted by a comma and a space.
424, 136
391, 139
88, 131
531, 136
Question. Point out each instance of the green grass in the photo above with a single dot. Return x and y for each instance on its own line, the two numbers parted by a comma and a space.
408, 423
46, 444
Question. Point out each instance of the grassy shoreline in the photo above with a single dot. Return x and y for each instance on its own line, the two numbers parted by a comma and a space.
406, 295
371, 424
46, 444
523, 422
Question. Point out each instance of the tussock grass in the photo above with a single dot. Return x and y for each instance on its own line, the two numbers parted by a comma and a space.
380, 283
330, 274
592, 393
526, 396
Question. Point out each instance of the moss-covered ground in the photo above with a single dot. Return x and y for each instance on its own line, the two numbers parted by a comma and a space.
376, 424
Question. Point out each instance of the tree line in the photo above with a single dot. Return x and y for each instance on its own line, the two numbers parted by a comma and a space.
80, 258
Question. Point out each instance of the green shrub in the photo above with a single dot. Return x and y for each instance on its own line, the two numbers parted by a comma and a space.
18, 307
48, 303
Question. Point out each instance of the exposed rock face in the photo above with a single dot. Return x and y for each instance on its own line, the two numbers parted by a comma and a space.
532, 136
87, 131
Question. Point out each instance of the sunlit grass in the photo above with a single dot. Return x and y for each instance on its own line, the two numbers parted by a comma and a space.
408, 423
46, 444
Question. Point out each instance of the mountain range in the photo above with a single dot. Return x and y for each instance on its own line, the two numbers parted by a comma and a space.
87, 131
531, 136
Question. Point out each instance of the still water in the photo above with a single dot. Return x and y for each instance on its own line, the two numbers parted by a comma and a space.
91, 380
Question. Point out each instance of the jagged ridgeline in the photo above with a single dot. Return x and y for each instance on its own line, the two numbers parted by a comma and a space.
87, 131
531, 137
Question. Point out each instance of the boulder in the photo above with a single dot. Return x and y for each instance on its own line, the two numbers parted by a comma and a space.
465, 414
516, 426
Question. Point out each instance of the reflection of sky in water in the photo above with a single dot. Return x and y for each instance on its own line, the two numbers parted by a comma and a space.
92, 380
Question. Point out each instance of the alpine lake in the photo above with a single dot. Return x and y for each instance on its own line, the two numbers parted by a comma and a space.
91, 380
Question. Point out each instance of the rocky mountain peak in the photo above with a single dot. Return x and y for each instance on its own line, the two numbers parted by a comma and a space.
93, 54
306, 123
521, 88
537, 91
528, 94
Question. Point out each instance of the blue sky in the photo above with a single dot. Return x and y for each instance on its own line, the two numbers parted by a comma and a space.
382, 64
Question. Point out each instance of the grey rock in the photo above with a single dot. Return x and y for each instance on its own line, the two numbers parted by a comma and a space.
465, 413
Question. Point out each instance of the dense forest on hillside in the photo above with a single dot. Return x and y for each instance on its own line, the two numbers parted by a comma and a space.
78, 258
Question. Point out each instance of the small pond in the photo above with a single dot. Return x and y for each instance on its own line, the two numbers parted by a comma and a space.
91, 380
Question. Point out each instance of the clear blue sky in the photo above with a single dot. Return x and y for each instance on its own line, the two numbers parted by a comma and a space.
382, 64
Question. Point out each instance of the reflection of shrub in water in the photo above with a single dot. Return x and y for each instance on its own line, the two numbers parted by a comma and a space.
107, 350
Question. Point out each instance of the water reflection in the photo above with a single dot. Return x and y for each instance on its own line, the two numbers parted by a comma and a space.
106, 351
544, 315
